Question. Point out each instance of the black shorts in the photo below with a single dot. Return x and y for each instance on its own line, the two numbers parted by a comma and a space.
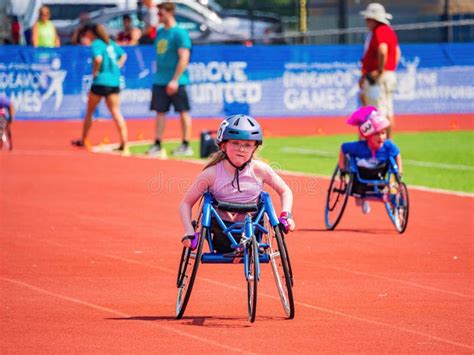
102, 90
161, 101
220, 242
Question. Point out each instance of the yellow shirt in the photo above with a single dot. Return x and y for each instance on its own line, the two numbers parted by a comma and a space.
46, 34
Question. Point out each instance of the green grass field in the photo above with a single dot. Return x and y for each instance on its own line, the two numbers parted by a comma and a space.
437, 159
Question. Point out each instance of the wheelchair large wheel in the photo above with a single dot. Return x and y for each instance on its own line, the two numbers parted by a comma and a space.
252, 278
285, 248
398, 205
281, 269
187, 271
183, 265
338, 194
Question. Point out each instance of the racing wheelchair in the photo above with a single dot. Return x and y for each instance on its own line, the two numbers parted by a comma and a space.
382, 183
261, 241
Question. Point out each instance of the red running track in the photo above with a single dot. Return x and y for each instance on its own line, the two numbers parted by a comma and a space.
90, 245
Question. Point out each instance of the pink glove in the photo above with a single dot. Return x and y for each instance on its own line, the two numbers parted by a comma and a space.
193, 238
284, 221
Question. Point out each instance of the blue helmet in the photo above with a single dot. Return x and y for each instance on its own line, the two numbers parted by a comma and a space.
240, 127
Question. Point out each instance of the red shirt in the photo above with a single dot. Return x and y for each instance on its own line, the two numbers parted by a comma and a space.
124, 37
15, 31
381, 34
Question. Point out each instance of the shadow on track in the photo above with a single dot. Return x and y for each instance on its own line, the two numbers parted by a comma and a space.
347, 230
201, 321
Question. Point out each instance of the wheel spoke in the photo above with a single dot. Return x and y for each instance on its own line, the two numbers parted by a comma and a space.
281, 268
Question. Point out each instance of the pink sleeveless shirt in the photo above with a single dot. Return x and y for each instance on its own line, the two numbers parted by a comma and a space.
250, 185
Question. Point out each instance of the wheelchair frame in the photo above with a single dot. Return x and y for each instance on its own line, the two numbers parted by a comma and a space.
389, 190
251, 251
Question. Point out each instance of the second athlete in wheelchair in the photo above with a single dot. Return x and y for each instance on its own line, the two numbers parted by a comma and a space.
368, 169
237, 217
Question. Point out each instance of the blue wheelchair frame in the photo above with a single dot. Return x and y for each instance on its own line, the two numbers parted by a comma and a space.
381, 190
250, 251
246, 228
380, 185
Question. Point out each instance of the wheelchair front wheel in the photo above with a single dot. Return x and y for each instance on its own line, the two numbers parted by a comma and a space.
338, 194
281, 270
397, 205
252, 278
187, 271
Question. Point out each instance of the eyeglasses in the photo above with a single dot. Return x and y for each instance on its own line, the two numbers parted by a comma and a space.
246, 147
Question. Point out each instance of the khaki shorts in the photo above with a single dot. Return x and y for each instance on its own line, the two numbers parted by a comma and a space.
380, 94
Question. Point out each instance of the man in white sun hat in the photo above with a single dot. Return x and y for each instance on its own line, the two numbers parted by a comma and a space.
381, 56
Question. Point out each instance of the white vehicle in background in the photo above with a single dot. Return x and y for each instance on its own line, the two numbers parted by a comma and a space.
256, 25
63, 10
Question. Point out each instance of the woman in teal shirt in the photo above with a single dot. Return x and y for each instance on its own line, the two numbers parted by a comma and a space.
107, 59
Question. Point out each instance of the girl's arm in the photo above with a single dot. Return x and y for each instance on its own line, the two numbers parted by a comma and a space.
342, 160
197, 189
274, 180
398, 160
96, 65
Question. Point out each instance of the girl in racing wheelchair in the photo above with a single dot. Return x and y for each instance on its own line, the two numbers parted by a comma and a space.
373, 150
232, 175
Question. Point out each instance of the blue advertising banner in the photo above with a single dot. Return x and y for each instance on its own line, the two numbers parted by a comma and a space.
259, 80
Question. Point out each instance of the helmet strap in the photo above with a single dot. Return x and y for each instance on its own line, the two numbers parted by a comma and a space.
237, 169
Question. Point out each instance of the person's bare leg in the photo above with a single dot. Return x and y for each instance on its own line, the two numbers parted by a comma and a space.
390, 128
186, 125
92, 103
160, 125
113, 104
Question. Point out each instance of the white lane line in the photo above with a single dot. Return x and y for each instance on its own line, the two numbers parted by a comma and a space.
45, 152
353, 317
390, 326
306, 305
118, 313
307, 151
426, 164
202, 162
408, 283
442, 166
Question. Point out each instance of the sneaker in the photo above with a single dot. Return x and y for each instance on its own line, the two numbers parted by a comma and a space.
183, 151
365, 207
155, 150
78, 143
124, 149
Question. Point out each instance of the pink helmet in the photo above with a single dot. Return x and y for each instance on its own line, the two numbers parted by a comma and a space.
369, 120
